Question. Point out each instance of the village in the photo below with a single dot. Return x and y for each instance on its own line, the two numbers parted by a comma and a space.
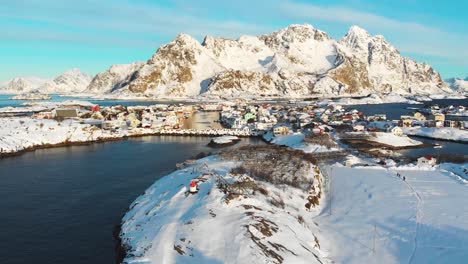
242, 118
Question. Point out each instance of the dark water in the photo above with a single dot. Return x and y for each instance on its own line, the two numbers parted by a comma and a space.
395, 111
60, 205
5, 101
448, 152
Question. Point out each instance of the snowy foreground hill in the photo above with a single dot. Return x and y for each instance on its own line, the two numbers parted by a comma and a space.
370, 215
296, 61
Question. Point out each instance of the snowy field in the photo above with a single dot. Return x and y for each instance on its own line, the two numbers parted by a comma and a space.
393, 140
378, 217
17, 134
296, 141
445, 133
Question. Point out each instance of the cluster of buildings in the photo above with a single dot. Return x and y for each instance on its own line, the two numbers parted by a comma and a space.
122, 117
280, 118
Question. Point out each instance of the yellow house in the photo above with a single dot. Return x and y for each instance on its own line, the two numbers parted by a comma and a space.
420, 117
439, 117
281, 130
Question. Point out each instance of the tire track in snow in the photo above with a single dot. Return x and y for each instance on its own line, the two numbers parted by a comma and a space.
418, 220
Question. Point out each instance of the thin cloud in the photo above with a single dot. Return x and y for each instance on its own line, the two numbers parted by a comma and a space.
408, 36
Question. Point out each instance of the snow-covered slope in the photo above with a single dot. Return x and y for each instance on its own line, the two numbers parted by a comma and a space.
376, 217
232, 219
71, 81
386, 70
24, 84
116, 77
458, 85
179, 69
296, 61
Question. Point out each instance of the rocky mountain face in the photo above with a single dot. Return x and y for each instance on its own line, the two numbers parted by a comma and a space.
293, 62
115, 78
458, 85
71, 81
22, 85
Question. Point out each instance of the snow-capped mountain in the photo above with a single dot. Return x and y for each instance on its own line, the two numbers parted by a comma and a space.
299, 60
71, 81
458, 84
24, 84
116, 77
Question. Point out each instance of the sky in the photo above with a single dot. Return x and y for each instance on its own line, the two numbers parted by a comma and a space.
46, 37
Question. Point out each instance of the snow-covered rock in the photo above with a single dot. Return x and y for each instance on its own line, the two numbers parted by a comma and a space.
70, 82
270, 225
385, 68
21, 85
297, 61
458, 85
444, 133
114, 78
224, 141
390, 139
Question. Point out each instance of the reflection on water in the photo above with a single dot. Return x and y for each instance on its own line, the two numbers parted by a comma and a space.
449, 149
60, 205
395, 111
5, 101
202, 120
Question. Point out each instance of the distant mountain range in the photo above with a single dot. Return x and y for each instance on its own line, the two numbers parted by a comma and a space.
458, 84
297, 61
70, 82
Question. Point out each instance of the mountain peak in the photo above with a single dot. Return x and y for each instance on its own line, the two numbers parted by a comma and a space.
357, 31
73, 71
185, 39
356, 39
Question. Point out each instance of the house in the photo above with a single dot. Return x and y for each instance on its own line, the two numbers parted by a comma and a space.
359, 128
451, 123
380, 117
65, 113
420, 117
407, 121
427, 161
250, 117
95, 108
439, 123
439, 117
397, 131
43, 115
464, 125
281, 130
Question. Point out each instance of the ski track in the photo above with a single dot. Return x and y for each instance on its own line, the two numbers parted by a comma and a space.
418, 220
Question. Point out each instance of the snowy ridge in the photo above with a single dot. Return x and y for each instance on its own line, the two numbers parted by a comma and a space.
168, 225
70, 82
297, 61
458, 85
24, 84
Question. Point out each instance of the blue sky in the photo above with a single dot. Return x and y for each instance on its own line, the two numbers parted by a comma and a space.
46, 37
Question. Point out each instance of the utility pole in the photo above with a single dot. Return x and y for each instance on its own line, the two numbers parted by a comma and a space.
373, 243
438, 147
331, 190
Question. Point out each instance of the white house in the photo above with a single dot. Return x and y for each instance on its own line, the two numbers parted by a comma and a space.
397, 131
359, 128
427, 161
